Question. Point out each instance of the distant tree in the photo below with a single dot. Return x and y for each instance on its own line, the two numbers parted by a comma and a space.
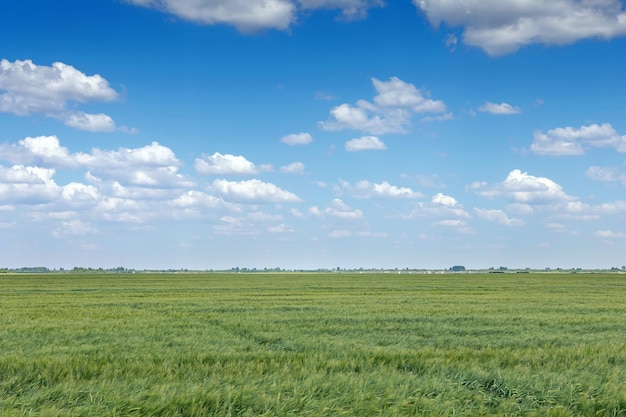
457, 268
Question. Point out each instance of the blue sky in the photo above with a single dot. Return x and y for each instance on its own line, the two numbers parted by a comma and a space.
312, 133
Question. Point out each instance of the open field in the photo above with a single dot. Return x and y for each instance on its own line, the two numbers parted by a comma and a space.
312, 344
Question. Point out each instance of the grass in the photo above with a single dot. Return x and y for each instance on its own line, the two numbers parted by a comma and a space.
313, 345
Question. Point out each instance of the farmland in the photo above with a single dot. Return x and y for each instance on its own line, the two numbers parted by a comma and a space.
312, 344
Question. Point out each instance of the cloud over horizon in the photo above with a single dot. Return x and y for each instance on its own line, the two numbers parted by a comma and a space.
28, 89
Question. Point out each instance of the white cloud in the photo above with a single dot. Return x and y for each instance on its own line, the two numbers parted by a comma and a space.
43, 149
451, 223
259, 216
444, 200
232, 226
19, 174
441, 206
27, 89
254, 15
338, 209
606, 174
391, 112
341, 210
500, 109
500, 27
570, 141
459, 226
79, 194
74, 227
612, 208
366, 189
438, 118
123, 210
609, 234
153, 165
520, 208
27, 185
251, 225
297, 139
127, 185
218, 164
293, 168
365, 143
397, 93
91, 122
497, 216
253, 191
280, 229
350, 9
245, 15
520, 187
193, 198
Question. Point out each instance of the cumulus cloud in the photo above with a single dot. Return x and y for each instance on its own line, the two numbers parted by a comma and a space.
440, 206
520, 209
245, 15
255, 191
43, 149
152, 165
500, 109
366, 189
350, 9
74, 227
27, 185
218, 164
338, 209
91, 122
293, 168
444, 200
609, 234
606, 174
456, 223
571, 141
193, 199
280, 229
254, 15
80, 194
233, 226
126, 185
497, 216
27, 89
251, 224
521, 187
500, 27
365, 143
391, 111
297, 139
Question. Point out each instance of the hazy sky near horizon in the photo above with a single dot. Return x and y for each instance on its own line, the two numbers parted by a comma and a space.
312, 133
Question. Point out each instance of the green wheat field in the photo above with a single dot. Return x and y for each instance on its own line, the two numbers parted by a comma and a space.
313, 344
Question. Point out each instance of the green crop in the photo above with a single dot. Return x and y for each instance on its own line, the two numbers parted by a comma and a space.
313, 344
